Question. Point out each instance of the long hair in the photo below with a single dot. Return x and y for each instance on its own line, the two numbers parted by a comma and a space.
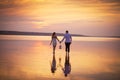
53, 34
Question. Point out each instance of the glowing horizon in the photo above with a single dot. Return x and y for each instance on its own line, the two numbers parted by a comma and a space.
95, 17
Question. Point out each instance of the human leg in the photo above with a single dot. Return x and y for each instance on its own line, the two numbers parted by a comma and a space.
54, 46
66, 47
69, 47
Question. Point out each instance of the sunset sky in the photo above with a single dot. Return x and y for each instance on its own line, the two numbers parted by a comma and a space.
87, 17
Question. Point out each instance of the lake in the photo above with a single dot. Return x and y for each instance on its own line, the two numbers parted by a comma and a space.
31, 58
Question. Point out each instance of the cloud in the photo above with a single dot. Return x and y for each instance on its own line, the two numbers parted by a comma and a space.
113, 4
9, 4
50, 12
19, 23
106, 1
20, 4
105, 5
19, 18
111, 1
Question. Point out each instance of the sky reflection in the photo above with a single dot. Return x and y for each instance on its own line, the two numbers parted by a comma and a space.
31, 60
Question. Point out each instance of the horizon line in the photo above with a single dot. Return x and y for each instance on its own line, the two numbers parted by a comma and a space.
7, 32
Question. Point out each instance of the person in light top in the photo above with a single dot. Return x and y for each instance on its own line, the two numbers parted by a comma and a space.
68, 41
54, 41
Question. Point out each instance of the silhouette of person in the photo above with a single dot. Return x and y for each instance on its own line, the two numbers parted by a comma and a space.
53, 64
67, 66
68, 41
54, 41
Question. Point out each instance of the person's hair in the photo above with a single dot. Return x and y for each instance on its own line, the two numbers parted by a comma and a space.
53, 34
66, 31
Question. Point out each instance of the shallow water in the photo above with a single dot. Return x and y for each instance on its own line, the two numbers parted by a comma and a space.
90, 59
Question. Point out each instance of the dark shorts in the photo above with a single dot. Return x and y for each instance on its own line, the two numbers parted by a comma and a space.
67, 45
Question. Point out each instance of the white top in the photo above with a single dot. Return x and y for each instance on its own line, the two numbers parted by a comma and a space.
54, 41
67, 38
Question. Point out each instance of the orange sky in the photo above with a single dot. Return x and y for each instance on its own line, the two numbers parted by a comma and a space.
88, 17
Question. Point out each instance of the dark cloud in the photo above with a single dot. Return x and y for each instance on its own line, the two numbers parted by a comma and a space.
5, 4
8, 4
111, 1
18, 23
106, 1
79, 2
112, 6
115, 4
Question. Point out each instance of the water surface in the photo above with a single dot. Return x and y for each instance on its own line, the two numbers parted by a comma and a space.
30, 58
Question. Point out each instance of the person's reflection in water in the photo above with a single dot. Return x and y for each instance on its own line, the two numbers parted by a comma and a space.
59, 64
53, 64
67, 66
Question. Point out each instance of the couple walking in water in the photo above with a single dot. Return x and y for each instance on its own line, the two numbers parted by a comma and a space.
67, 66
68, 41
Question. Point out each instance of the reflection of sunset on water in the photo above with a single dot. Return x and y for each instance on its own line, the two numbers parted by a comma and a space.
29, 57
32, 59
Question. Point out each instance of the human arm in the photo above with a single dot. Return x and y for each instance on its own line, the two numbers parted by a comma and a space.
57, 39
62, 39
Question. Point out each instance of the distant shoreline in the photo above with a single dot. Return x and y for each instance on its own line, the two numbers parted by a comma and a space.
46, 34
